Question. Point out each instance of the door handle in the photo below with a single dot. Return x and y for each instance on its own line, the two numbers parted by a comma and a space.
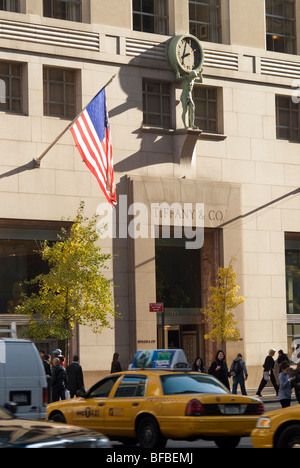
101, 404
135, 404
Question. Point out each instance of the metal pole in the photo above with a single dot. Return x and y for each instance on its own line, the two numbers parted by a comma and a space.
37, 162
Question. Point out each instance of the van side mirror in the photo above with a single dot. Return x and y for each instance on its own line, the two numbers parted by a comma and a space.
11, 407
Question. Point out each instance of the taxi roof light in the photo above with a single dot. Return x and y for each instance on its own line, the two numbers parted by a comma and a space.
168, 359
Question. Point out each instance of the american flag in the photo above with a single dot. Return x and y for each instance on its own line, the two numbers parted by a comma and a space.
91, 133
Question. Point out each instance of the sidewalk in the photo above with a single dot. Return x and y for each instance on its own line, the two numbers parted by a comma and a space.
268, 395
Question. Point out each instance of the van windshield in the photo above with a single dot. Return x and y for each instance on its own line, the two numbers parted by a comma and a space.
4, 414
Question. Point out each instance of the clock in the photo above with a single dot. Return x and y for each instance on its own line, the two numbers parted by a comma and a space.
186, 54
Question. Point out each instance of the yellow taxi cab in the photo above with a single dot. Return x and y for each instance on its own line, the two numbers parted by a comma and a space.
150, 404
278, 429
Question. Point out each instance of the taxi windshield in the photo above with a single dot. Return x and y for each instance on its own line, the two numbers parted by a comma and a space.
191, 383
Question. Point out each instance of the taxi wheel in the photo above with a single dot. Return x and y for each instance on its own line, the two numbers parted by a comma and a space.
227, 442
149, 435
290, 437
57, 417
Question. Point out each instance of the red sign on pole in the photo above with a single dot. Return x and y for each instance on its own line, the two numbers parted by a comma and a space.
157, 307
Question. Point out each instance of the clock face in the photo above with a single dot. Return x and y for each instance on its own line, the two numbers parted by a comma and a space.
189, 53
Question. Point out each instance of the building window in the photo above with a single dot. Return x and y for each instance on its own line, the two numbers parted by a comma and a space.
293, 330
281, 26
59, 92
150, 16
206, 109
70, 10
11, 87
205, 20
287, 119
292, 266
156, 104
10, 5
177, 286
19, 260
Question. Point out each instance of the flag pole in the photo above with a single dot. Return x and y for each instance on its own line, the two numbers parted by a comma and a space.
37, 162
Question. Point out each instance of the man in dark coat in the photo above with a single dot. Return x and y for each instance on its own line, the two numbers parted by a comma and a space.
75, 377
59, 381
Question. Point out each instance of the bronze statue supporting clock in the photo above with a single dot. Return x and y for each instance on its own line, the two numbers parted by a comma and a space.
186, 57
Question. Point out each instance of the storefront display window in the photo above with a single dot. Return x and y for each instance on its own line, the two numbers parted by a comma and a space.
20, 261
292, 262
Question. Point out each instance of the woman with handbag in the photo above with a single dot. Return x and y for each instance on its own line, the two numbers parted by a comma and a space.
268, 373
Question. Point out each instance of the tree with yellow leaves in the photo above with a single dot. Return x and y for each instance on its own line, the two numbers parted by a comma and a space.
75, 290
222, 301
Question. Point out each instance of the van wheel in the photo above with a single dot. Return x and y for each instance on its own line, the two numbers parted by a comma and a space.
58, 417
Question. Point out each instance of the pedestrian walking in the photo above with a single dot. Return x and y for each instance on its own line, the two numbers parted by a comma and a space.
59, 381
219, 368
239, 373
58, 354
268, 373
285, 385
198, 365
75, 377
48, 373
115, 365
296, 382
282, 357
47, 365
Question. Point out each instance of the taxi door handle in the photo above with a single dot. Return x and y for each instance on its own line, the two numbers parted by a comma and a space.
101, 404
135, 404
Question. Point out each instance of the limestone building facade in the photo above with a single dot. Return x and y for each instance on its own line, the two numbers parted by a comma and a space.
241, 172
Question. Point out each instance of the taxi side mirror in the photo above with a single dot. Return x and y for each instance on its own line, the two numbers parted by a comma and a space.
81, 393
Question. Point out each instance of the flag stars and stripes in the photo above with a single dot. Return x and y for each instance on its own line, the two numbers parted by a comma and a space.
91, 133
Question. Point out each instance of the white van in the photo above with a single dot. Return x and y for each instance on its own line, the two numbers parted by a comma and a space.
22, 378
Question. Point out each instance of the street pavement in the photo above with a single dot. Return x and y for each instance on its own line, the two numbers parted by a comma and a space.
271, 403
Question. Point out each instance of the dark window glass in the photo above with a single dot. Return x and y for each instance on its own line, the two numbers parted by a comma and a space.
131, 386
281, 26
18, 262
156, 104
292, 265
10, 5
287, 119
70, 10
205, 100
176, 285
103, 388
11, 87
59, 92
179, 384
205, 20
150, 16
